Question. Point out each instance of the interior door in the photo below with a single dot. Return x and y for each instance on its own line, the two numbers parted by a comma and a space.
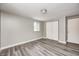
52, 30
73, 30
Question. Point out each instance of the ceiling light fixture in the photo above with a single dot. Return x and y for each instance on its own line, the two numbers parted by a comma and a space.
43, 11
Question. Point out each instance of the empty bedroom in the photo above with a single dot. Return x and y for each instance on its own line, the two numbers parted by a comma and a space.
39, 29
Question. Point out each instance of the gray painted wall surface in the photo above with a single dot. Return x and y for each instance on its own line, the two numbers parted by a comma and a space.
62, 30
15, 29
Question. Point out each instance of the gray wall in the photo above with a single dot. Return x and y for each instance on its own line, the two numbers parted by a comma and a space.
62, 30
15, 29
44, 29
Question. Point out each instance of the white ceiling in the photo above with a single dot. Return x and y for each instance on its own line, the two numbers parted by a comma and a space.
32, 10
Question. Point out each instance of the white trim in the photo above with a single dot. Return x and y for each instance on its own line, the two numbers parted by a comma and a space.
63, 42
2, 48
73, 42
49, 38
45, 38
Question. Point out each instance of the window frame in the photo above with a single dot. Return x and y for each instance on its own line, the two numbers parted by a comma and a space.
36, 26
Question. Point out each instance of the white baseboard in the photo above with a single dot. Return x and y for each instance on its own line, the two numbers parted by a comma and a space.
2, 48
49, 38
63, 42
73, 42
45, 38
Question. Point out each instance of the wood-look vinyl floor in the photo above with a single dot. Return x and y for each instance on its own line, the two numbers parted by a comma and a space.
42, 47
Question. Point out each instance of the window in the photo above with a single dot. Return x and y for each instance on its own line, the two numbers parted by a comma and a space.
36, 26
